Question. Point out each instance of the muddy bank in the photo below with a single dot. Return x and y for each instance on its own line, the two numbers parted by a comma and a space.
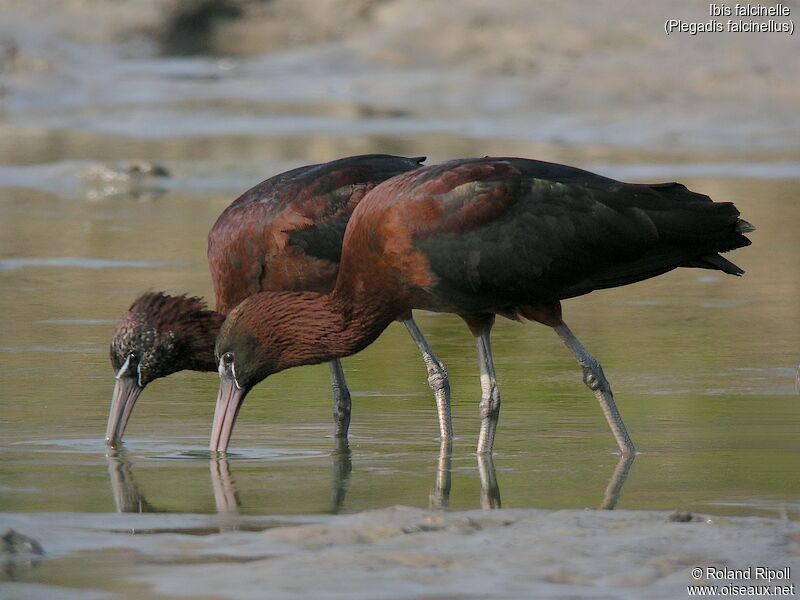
395, 553
557, 74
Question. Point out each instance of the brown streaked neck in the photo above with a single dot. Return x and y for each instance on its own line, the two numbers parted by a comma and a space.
303, 328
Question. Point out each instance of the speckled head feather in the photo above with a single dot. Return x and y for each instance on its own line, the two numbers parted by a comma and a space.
164, 334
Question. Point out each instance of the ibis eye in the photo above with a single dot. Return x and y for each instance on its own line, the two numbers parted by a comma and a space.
227, 358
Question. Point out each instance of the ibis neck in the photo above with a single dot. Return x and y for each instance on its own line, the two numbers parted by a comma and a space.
309, 328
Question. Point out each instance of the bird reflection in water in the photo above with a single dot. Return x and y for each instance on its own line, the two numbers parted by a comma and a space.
226, 498
128, 498
614, 487
439, 496
342, 468
490, 490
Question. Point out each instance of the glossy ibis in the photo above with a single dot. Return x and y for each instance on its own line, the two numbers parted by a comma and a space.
283, 235
479, 238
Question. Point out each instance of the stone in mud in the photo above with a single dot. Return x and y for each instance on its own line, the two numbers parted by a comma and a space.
18, 553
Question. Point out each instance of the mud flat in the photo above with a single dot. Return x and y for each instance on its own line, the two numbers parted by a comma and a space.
395, 553
559, 75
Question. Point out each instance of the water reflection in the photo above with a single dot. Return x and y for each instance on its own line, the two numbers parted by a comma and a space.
614, 487
127, 497
342, 468
226, 498
439, 496
490, 491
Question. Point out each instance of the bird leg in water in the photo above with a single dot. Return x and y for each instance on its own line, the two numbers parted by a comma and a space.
341, 400
596, 381
437, 380
490, 394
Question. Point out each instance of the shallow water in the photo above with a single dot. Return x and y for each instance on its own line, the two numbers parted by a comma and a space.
702, 365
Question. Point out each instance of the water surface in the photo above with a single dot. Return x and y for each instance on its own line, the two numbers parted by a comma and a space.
702, 365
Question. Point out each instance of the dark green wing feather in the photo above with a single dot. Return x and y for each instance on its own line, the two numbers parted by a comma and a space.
526, 231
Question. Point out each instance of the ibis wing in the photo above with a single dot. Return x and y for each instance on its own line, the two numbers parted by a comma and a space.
529, 238
286, 233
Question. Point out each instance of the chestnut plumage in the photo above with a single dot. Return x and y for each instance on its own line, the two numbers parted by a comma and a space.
283, 234
479, 238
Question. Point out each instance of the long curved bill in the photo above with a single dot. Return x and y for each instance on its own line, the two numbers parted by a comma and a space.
229, 401
126, 391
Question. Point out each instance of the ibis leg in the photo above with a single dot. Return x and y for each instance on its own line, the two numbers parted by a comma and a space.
341, 400
437, 380
490, 394
596, 381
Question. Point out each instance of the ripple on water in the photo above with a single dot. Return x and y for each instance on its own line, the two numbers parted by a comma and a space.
75, 322
165, 450
246, 454
51, 349
12, 264
72, 446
